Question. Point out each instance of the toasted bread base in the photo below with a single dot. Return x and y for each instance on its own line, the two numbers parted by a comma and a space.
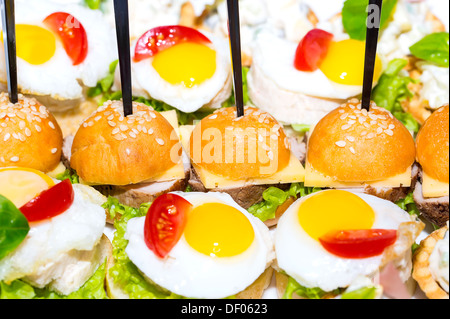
421, 270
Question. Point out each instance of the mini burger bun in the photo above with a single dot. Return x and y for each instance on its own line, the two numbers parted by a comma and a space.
224, 129
254, 291
110, 149
433, 145
30, 135
353, 145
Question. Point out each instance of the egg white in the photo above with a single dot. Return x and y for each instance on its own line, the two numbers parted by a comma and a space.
210, 94
58, 77
191, 274
79, 228
275, 57
305, 260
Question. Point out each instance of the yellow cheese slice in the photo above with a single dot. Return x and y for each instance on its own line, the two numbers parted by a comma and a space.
432, 188
313, 178
293, 173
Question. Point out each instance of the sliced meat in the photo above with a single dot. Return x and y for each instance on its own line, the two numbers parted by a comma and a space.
394, 194
67, 150
245, 196
435, 210
298, 147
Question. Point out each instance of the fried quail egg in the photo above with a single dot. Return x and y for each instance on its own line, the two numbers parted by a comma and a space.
302, 256
77, 229
222, 251
44, 66
188, 76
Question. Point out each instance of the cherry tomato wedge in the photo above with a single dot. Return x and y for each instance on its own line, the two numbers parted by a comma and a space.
49, 203
165, 222
161, 38
312, 50
72, 34
357, 244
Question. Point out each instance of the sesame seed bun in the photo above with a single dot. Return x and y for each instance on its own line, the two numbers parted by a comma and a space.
353, 145
30, 136
110, 149
240, 148
433, 145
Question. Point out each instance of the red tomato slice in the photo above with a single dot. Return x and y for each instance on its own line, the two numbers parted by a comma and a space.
50, 203
356, 244
165, 222
162, 38
72, 34
312, 50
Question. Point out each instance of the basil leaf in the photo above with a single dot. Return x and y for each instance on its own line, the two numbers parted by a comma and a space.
14, 227
433, 48
354, 17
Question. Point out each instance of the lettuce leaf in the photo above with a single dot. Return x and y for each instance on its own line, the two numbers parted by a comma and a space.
94, 4
309, 293
124, 272
408, 204
354, 17
363, 293
316, 293
433, 48
275, 197
69, 174
392, 89
94, 288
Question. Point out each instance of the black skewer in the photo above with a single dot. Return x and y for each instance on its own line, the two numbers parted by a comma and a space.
373, 29
235, 42
9, 40
123, 43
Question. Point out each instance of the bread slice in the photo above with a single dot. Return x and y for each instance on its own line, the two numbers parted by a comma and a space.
421, 270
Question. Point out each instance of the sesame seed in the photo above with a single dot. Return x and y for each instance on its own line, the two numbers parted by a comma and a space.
27, 132
6, 137
341, 143
123, 128
389, 132
54, 150
160, 141
270, 155
38, 128
51, 125
352, 150
115, 131
370, 136
112, 124
213, 117
14, 159
345, 127
379, 130
351, 138
392, 126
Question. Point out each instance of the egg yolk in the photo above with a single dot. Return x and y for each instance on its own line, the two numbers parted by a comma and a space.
20, 185
35, 45
334, 210
218, 230
344, 63
186, 63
